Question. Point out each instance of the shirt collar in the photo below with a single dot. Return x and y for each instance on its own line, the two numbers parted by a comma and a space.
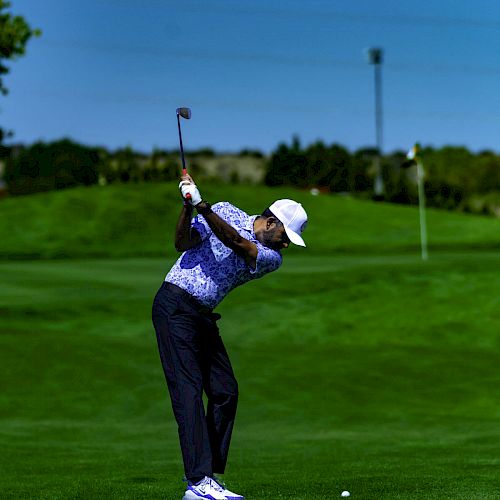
249, 224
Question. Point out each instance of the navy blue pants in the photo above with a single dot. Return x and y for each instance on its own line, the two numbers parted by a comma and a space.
194, 360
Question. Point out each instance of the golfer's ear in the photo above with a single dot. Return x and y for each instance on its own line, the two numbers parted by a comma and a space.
270, 221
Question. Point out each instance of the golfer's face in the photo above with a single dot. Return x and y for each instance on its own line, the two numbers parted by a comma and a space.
278, 238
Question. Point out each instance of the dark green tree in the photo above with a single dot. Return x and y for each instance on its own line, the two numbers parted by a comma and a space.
287, 165
15, 33
332, 167
127, 165
449, 175
400, 179
362, 161
339, 161
44, 167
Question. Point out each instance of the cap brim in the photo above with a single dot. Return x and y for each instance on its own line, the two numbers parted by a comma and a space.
294, 237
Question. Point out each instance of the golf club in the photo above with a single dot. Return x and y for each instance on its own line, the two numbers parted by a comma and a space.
186, 114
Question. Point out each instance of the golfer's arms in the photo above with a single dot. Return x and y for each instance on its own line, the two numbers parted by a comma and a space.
229, 236
186, 237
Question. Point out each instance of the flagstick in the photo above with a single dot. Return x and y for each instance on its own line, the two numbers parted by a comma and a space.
421, 205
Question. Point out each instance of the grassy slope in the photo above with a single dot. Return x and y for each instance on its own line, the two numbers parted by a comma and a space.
132, 220
376, 374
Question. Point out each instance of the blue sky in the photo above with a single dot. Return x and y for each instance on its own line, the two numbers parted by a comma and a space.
112, 72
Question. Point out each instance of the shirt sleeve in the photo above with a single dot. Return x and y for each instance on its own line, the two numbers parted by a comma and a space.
201, 225
268, 260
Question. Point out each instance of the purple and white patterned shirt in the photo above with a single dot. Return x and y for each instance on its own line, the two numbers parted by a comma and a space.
210, 270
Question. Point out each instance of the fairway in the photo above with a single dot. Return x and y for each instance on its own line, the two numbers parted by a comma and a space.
373, 374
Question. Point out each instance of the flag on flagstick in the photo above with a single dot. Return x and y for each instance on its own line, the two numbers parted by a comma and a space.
414, 152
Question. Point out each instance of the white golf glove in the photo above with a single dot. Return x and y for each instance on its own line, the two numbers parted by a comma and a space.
186, 188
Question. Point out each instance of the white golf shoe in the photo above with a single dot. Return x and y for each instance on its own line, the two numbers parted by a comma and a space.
206, 488
229, 495
210, 489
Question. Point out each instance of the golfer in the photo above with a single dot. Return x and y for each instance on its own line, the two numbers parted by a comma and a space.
222, 248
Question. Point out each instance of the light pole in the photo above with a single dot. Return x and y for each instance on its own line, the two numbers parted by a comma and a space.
375, 57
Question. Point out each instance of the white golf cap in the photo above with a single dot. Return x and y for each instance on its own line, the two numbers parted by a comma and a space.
293, 217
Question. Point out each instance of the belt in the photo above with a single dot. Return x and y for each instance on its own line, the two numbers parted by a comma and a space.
177, 290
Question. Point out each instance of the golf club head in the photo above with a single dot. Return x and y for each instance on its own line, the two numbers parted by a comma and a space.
184, 112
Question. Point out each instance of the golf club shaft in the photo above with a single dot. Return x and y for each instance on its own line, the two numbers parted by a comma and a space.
182, 148
184, 169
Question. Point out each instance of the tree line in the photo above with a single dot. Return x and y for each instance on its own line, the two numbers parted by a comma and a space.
455, 178
65, 163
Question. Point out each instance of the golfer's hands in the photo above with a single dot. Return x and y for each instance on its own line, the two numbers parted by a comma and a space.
188, 178
188, 187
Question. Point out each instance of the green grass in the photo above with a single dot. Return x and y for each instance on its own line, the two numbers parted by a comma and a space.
139, 220
374, 374
359, 366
